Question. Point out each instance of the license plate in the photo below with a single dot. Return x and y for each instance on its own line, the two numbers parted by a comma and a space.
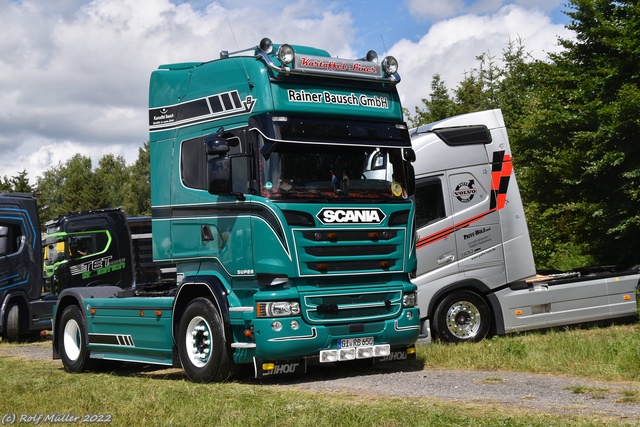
355, 342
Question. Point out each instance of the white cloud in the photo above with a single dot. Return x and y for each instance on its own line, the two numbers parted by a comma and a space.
451, 46
435, 9
74, 73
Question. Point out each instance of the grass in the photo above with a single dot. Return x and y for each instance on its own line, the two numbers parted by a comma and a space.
164, 398
602, 353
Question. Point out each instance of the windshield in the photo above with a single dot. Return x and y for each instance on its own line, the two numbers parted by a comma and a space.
321, 171
54, 251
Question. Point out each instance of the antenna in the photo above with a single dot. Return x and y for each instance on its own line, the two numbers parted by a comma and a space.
384, 46
246, 73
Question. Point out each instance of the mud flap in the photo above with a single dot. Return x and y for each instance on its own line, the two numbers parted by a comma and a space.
397, 355
279, 367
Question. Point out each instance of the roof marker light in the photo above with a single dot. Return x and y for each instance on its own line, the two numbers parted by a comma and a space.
266, 45
372, 56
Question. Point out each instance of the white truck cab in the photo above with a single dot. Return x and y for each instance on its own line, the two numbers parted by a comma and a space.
476, 273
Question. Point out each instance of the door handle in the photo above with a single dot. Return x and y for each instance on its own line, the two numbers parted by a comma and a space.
444, 259
206, 234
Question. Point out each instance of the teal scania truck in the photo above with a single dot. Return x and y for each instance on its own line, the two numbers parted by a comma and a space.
287, 247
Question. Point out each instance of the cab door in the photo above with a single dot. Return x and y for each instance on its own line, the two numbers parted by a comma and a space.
436, 246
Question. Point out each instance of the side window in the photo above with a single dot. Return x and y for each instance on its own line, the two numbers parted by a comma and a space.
4, 240
429, 202
10, 235
193, 163
193, 159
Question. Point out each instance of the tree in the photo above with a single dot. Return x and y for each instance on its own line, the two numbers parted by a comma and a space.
137, 200
109, 181
16, 184
438, 106
587, 133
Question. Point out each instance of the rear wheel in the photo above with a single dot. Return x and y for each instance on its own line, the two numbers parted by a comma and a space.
73, 346
12, 325
202, 348
462, 316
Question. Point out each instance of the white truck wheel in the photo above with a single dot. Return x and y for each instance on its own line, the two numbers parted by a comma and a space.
462, 316
201, 345
72, 342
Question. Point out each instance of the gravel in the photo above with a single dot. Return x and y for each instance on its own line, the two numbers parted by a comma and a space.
511, 390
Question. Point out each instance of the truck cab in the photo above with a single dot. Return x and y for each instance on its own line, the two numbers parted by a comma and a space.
87, 249
476, 273
84, 249
284, 249
20, 267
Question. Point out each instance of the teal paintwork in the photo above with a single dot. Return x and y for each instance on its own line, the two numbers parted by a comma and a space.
142, 335
252, 237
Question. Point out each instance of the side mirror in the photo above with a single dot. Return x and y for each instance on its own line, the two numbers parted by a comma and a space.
411, 179
216, 146
219, 175
409, 155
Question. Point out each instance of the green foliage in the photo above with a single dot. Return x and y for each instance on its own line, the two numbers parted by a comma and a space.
16, 184
573, 124
75, 186
589, 109
137, 194
438, 106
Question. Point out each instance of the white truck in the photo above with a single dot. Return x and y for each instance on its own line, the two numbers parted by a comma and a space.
476, 273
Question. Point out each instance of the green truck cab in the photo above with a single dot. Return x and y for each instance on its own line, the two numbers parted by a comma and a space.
87, 249
286, 246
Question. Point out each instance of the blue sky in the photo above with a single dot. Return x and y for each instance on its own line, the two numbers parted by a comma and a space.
74, 73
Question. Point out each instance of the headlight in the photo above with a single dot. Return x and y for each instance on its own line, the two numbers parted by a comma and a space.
390, 65
410, 300
285, 54
278, 309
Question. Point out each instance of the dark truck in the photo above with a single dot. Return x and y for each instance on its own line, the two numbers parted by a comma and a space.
78, 250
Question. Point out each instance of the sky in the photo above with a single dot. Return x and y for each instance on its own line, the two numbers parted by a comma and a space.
74, 74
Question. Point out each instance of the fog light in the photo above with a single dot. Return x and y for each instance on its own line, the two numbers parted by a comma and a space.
295, 325
268, 366
276, 326
328, 356
364, 352
390, 65
409, 315
285, 54
347, 354
381, 350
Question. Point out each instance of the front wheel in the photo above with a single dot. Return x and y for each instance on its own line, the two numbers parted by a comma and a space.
12, 325
462, 316
73, 346
201, 345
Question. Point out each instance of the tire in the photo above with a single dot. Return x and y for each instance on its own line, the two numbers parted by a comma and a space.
12, 325
462, 316
73, 347
201, 345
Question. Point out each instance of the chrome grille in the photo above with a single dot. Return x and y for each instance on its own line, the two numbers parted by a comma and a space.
354, 307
